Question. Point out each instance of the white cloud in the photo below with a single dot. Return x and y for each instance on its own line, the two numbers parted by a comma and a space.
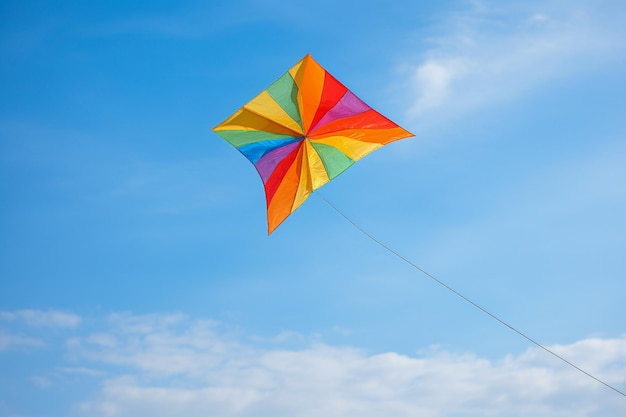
173, 365
8, 341
41, 381
155, 345
81, 371
39, 318
191, 22
495, 52
433, 80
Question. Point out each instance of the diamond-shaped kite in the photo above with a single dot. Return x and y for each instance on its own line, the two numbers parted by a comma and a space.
301, 132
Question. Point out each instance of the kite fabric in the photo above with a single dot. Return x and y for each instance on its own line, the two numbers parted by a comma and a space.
301, 132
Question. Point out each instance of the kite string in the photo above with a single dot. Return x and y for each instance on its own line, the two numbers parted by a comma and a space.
458, 294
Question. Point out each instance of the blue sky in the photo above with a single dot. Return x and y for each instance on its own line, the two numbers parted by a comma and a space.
136, 276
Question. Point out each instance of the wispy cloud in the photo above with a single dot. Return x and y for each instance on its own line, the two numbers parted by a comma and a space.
40, 318
162, 345
41, 381
9, 341
494, 52
14, 339
81, 371
175, 365
190, 22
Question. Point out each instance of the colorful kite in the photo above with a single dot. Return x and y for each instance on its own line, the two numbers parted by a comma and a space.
301, 132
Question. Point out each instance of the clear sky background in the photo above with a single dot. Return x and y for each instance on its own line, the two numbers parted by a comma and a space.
136, 275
